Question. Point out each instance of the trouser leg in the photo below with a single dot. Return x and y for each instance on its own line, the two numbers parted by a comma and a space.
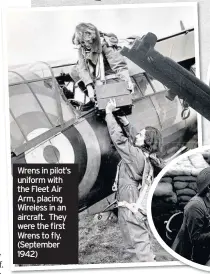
134, 228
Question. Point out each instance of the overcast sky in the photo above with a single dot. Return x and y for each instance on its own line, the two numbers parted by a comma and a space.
45, 34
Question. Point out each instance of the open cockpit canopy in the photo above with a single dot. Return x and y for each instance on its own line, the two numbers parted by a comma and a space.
37, 105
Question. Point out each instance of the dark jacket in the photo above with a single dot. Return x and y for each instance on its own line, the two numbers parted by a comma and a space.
114, 63
193, 239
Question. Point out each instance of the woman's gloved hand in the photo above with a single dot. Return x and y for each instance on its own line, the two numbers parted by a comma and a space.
111, 106
91, 92
130, 86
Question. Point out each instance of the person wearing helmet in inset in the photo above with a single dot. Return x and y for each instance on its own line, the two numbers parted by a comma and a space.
98, 62
193, 239
134, 177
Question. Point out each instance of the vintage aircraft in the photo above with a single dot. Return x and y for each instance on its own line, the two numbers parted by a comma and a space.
46, 127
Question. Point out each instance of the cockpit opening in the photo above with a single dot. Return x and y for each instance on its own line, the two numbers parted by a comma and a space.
36, 101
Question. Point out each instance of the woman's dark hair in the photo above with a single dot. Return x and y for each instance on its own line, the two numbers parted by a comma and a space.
153, 140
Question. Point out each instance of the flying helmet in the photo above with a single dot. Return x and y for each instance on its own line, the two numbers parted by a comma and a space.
203, 180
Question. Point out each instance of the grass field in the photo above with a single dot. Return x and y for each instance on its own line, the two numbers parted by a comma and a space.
100, 242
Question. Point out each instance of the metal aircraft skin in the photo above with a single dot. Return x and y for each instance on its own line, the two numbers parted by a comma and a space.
46, 128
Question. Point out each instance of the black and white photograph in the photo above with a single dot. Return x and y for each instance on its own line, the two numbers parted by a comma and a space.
180, 208
79, 95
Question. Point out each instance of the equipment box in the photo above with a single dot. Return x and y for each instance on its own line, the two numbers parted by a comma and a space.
117, 91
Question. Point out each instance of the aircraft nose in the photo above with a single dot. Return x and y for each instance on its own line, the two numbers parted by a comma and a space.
51, 154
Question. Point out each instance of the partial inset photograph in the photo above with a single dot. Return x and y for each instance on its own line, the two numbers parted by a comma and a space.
180, 208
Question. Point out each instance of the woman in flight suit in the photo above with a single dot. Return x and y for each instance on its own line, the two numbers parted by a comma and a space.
138, 154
